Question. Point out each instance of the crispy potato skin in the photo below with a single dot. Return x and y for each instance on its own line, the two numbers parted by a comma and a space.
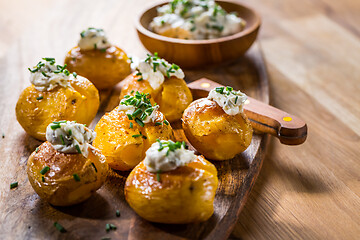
60, 187
78, 104
213, 133
114, 138
184, 195
173, 96
104, 69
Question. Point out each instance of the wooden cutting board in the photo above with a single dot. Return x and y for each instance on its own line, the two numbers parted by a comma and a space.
26, 216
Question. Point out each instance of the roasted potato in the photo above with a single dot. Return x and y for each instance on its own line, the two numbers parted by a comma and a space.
35, 110
124, 142
173, 96
103, 68
215, 134
184, 195
58, 185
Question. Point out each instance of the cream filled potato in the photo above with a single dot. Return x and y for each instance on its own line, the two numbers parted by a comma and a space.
172, 185
216, 126
95, 58
55, 94
125, 133
66, 169
165, 84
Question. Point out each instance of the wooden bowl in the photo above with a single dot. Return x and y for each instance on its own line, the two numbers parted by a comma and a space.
199, 53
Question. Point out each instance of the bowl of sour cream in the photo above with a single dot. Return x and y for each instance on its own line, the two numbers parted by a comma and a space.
198, 33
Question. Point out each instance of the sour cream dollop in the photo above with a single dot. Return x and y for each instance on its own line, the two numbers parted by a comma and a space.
232, 102
195, 19
154, 70
70, 137
47, 75
93, 38
167, 155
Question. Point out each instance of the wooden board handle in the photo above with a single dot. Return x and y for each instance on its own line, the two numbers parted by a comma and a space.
288, 128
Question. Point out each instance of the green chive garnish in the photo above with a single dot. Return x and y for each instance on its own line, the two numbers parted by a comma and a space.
236, 99
59, 227
45, 170
76, 177
39, 98
74, 74
55, 126
78, 148
158, 123
136, 135
139, 122
43, 73
62, 139
158, 177
13, 185
118, 213
70, 132
37, 149
131, 125
107, 227
43, 178
166, 122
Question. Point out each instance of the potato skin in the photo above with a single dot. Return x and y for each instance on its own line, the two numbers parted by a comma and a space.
173, 96
78, 104
60, 187
103, 68
184, 195
114, 138
213, 133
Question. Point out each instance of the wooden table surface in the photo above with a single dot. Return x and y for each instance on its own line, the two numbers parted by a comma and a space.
312, 51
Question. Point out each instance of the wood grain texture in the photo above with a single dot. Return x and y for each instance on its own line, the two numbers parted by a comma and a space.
312, 50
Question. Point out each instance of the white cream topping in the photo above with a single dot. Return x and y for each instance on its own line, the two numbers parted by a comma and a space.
46, 75
70, 137
154, 70
196, 19
162, 156
93, 38
230, 101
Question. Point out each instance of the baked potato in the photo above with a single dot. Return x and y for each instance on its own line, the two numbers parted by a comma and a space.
180, 196
215, 134
103, 64
36, 109
70, 177
124, 139
172, 94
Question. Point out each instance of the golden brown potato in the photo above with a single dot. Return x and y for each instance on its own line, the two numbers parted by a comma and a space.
35, 110
121, 145
184, 195
215, 134
173, 96
59, 186
103, 68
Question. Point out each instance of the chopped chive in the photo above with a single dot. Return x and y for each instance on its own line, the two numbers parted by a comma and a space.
236, 99
59, 227
82, 34
132, 91
78, 148
76, 177
70, 132
107, 227
136, 135
158, 176
118, 213
113, 227
44, 170
53, 127
144, 137
103, 50
13, 185
95, 46
158, 123
43, 178
3, 135
37, 149
129, 116
166, 122
94, 166
39, 98
139, 122
62, 139
74, 74
131, 125
137, 112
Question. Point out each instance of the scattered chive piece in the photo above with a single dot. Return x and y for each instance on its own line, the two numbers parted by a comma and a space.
37, 149
129, 117
62, 139
74, 74
131, 125
113, 227
43, 178
118, 213
236, 99
158, 123
3, 135
39, 98
55, 126
139, 122
78, 148
144, 137
95, 46
45, 170
76, 177
103, 50
43, 73
166, 122
13, 185
136, 135
70, 132
158, 177
107, 227
94, 166
59, 227
132, 91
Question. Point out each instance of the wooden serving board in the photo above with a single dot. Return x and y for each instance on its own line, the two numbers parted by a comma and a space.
24, 215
